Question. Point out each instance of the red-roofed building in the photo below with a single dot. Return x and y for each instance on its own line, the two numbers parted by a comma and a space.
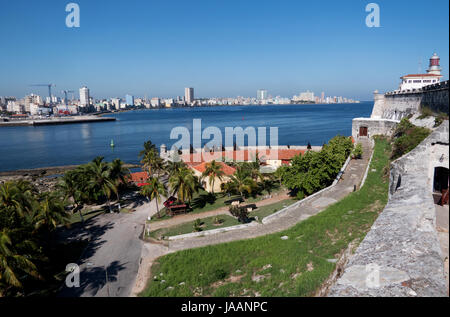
200, 168
139, 178
417, 81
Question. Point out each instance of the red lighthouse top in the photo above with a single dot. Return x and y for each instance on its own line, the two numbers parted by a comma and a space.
434, 65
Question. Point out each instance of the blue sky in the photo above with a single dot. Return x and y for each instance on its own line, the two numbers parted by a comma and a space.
219, 47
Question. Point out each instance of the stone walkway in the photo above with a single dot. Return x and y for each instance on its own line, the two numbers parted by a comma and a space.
353, 175
219, 211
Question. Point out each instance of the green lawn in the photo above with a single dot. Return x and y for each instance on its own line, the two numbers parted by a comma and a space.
87, 214
204, 201
267, 210
188, 227
270, 266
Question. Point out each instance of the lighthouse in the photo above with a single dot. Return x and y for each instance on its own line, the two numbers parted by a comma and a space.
434, 67
417, 81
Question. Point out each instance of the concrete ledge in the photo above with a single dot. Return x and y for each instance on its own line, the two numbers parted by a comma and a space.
401, 254
213, 231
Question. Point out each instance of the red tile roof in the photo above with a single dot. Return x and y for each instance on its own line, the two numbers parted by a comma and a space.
241, 155
138, 177
421, 75
228, 170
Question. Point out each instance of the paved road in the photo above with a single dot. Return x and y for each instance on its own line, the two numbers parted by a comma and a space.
113, 253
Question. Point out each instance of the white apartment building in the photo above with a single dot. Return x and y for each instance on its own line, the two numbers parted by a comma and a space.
84, 96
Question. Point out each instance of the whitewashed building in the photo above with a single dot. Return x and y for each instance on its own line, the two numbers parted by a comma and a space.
417, 81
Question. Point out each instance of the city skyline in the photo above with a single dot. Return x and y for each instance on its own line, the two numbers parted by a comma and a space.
218, 48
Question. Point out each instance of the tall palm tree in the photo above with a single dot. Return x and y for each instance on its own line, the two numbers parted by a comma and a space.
13, 264
213, 170
242, 181
154, 190
184, 184
18, 196
152, 162
148, 146
119, 174
100, 179
73, 186
51, 212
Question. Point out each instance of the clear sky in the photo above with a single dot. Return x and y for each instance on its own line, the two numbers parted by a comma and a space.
219, 47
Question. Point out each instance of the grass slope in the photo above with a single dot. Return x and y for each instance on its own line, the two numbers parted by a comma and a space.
269, 266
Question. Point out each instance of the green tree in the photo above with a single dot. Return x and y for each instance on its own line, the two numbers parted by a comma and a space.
119, 175
184, 184
100, 179
51, 212
212, 171
154, 190
241, 181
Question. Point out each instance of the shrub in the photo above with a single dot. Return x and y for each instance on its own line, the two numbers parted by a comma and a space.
300, 195
425, 112
406, 137
314, 171
220, 274
217, 221
358, 151
198, 225
239, 212
440, 118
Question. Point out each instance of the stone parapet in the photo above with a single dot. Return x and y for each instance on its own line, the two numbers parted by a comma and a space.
401, 255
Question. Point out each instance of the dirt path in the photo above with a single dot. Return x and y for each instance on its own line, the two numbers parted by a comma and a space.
220, 211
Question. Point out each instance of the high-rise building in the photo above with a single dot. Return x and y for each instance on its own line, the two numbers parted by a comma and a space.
307, 96
261, 94
189, 95
129, 100
84, 96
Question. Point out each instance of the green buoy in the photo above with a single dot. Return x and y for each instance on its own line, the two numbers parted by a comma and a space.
112, 143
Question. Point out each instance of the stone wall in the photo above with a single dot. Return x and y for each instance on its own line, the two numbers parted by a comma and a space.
436, 97
397, 105
401, 255
374, 126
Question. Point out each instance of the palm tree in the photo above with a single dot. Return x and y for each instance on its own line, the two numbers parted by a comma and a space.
18, 196
154, 190
242, 181
72, 186
173, 167
51, 212
148, 146
13, 264
213, 170
184, 184
119, 174
100, 179
152, 162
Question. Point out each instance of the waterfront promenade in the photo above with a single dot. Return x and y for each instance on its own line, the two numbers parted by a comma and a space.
353, 175
55, 121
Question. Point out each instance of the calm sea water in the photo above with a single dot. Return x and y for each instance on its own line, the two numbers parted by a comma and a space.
34, 147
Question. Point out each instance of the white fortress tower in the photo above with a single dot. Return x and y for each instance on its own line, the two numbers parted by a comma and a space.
417, 81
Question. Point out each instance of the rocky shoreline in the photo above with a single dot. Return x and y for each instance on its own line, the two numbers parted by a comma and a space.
45, 179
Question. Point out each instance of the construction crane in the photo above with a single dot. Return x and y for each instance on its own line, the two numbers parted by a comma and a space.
65, 92
49, 89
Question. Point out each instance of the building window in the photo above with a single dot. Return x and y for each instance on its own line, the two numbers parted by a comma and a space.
417, 81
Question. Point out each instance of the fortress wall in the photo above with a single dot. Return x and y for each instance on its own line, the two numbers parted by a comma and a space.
401, 255
436, 97
397, 105
374, 126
